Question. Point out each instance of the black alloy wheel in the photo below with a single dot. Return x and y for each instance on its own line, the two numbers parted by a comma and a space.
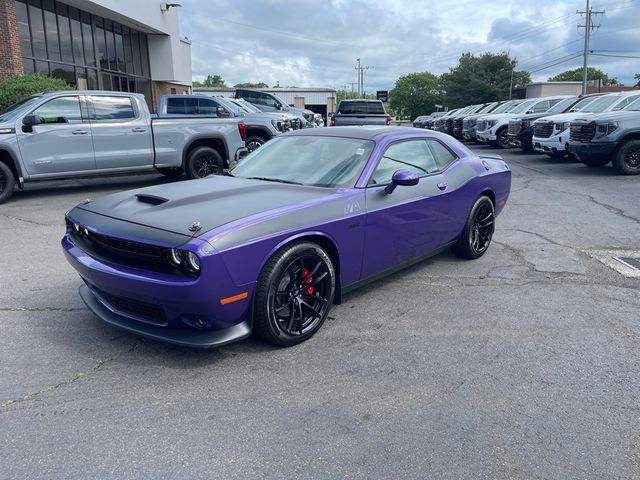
478, 231
7, 182
294, 294
503, 138
202, 162
627, 158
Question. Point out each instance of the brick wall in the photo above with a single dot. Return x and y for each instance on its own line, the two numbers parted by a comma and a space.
164, 88
10, 56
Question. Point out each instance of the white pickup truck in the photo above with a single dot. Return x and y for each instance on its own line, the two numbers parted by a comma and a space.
68, 134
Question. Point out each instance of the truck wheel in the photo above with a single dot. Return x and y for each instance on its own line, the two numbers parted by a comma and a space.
172, 172
254, 142
503, 138
202, 162
7, 182
627, 158
594, 162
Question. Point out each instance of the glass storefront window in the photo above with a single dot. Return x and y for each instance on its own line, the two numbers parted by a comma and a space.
87, 38
76, 38
64, 30
37, 29
23, 29
51, 28
65, 72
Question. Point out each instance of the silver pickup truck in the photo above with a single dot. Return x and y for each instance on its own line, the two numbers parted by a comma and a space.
68, 134
360, 112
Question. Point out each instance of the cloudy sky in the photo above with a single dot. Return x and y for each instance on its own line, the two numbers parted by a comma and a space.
315, 43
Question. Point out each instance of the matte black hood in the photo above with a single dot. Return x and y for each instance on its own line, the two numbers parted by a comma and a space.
211, 201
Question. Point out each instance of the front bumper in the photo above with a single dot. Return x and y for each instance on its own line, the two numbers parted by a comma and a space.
549, 145
522, 139
486, 136
183, 311
596, 150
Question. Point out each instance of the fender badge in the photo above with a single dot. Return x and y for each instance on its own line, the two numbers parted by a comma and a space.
195, 227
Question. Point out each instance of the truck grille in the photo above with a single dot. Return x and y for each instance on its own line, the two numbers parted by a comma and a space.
543, 129
468, 124
515, 127
295, 124
481, 125
146, 311
457, 124
582, 132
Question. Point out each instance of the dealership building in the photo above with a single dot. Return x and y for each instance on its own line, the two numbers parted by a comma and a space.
121, 45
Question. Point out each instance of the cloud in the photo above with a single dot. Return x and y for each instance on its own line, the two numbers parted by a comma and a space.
315, 43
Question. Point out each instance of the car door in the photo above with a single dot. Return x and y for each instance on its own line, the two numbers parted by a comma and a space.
61, 143
411, 221
121, 133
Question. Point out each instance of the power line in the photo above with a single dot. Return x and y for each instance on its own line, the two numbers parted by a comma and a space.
559, 62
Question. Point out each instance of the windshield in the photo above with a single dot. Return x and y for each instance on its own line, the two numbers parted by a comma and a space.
9, 111
562, 105
635, 105
246, 106
487, 108
523, 107
601, 104
229, 105
505, 107
582, 104
307, 160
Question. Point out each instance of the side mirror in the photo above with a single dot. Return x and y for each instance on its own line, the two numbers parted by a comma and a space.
29, 121
403, 178
222, 112
331, 114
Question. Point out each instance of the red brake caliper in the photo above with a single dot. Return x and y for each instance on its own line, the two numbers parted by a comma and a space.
308, 291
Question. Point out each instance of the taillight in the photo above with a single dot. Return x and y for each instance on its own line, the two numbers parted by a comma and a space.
332, 122
243, 131
389, 119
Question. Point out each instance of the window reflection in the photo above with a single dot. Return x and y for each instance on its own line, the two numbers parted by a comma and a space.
112, 108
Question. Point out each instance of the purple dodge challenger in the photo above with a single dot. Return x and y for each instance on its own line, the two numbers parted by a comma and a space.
273, 244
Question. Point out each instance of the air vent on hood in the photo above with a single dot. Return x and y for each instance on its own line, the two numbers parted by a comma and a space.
151, 199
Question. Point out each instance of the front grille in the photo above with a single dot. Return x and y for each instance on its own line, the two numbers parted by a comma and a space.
481, 125
457, 124
515, 127
142, 310
468, 124
295, 124
543, 129
582, 132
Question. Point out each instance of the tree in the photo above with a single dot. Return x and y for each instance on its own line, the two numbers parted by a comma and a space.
16, 88
415, 94
576, 75
481, 79
251, 85
212, 81
637, 77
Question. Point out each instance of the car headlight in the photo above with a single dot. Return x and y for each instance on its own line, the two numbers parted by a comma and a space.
607, 128
193, 262
561, 126
491, 123
175, 257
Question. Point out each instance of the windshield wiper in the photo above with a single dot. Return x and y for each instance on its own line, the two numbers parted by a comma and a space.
266, 179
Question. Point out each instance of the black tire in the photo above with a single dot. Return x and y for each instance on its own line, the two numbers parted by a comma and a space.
478, 230
202, 162
172, 172
254, 142
502, 138
627, 158
594, 162
294, 294
7, 182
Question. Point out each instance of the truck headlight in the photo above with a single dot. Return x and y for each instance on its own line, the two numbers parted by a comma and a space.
278, 125
607, 128
491, 123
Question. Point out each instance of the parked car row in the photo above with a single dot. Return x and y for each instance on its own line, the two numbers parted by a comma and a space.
596, 129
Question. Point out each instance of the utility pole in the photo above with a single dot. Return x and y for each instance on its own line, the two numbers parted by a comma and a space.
361, 70
588, 28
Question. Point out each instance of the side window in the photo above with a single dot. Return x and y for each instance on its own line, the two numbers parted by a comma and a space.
207, 106
541, 107
442, 154
412, 155
60, 110
626, 101
264, 99
112, 108
176, 105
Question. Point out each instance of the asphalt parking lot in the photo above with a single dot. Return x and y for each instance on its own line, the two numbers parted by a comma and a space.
520, 365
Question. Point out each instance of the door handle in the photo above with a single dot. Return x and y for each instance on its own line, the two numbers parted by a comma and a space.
80, 132
442, 186
139, 130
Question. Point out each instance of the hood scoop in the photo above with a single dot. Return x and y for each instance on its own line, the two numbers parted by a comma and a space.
151, 199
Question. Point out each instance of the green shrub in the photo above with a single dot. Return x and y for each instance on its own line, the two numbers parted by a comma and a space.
14, 89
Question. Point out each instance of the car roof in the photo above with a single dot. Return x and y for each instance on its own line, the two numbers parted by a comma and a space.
365, 132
